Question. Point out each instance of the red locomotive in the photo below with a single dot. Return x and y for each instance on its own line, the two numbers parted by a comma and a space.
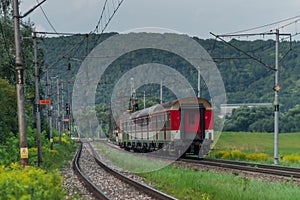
181, 126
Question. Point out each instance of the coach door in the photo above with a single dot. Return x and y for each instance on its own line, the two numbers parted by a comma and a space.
193, 121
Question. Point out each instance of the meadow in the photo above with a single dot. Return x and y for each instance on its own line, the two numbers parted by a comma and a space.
259, 144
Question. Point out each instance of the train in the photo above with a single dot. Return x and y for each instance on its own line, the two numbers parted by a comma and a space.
179, 127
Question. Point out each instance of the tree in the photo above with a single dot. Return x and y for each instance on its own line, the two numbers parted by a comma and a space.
254, 119
289, 121
8, 103
8, 108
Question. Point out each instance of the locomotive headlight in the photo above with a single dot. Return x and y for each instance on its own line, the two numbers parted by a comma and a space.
276, 88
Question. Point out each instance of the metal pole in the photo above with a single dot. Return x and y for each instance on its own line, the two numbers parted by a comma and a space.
199, 81
20, 87
62, 105
161, 91
58, 111
50, 125
276, 102
49, 109
144, 99
37, 102
69, 100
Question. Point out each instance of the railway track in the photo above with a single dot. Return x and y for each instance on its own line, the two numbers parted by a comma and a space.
244, 166
250, 167
110, 184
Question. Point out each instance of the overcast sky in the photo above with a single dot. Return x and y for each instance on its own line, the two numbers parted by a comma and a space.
193, 17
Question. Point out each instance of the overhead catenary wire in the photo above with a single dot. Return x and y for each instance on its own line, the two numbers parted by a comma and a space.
266, 25
81, 42
244, 52
47, 19
106, 8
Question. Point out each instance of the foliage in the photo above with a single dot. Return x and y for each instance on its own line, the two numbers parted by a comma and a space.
294, 158
261, 119
104, 116
239, 155
289, 121
8, 107
61, 155
8, 118
33, 182
258, 157
29, 183
254, 119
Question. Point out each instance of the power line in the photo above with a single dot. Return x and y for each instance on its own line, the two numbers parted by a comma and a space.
76, 46
244, 52
106, 8
266, 25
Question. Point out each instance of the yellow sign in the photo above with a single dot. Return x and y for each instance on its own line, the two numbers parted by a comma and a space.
24, 152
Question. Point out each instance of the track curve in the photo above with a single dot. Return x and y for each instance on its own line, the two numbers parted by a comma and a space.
140, 187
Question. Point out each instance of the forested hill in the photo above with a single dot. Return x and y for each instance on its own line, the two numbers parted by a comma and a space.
246, 80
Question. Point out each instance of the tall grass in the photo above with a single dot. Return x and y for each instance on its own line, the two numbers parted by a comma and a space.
190, 184
131, 162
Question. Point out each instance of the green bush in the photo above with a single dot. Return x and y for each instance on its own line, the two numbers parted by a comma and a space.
257, 157
29, 183
222, 154
293, 158
237, 155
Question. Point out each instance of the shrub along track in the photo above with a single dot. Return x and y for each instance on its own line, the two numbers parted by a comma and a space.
106, 183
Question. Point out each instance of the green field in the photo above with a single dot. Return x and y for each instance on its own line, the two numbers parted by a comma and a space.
258, 147
288, 143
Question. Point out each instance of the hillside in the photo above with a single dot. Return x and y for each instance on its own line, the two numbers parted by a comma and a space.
246, 80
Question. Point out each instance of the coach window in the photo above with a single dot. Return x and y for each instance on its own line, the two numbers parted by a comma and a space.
168, 120
192, 118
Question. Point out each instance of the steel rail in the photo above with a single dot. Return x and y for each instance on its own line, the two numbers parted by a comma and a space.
99, 194
245, 166
140, 186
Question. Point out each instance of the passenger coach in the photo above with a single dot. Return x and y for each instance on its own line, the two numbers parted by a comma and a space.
181, 126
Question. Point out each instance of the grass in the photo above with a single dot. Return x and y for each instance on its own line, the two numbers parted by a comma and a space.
258, 142
190, 184
258, 145
57, 158
129, 161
